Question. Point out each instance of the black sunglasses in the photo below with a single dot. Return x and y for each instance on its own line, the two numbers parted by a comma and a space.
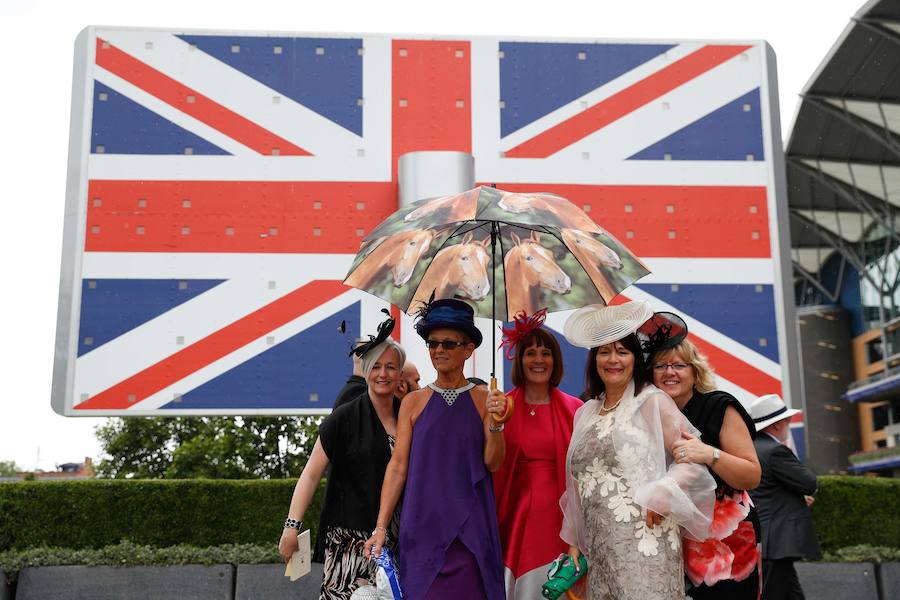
445, 344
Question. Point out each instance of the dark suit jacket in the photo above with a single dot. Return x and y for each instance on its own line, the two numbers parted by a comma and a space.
787, 529
355, 386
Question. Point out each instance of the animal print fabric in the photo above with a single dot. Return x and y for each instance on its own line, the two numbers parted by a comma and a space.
346, 568
625, 558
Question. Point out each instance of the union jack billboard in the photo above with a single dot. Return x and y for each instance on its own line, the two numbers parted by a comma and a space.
220, 184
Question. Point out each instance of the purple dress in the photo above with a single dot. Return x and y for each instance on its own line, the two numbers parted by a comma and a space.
449, 544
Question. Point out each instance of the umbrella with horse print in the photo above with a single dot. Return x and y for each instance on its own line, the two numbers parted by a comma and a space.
549, 254
503, 252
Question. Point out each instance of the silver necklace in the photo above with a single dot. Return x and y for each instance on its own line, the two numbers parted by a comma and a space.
450, 395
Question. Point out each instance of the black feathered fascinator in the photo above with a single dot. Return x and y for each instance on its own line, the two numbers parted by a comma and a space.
385, 328
662, 331
422, 311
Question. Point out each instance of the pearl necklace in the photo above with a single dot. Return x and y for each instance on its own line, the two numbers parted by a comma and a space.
611, 408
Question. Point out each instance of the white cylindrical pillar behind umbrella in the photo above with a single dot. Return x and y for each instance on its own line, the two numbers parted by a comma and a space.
431, 174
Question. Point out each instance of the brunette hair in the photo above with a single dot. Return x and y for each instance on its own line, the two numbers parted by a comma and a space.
594, 384
704, 376
543, 338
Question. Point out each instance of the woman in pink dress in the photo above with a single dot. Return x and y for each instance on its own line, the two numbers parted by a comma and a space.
528, 486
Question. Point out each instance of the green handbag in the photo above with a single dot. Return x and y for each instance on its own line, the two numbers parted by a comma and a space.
562, 576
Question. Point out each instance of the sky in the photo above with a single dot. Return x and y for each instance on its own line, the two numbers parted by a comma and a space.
36, 46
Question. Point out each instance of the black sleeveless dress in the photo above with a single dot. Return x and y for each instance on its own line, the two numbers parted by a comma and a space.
707, 413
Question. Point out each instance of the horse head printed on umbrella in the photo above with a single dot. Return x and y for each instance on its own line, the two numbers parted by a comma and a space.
397, 254
550, 254
459, 270
529, 269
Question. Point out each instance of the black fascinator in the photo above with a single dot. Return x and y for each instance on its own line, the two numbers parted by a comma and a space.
662, 331
384, 330
422, 311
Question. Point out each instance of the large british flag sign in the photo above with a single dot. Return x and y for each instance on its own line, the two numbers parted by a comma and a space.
220, 184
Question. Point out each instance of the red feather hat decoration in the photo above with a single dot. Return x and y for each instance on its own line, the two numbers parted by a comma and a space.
522, 326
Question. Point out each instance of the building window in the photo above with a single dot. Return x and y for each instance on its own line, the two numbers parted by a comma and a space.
874, 350
881, 417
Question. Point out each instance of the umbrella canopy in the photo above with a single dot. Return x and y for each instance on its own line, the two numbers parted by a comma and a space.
502, 251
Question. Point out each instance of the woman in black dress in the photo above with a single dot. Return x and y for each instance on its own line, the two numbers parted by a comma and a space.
727, 564
356, 441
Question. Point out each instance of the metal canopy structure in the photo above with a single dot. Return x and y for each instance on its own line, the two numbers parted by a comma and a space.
843, 163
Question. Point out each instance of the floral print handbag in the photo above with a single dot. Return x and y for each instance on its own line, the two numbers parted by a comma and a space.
731, 550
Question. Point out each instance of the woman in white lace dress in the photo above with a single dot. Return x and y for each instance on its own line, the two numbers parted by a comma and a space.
627, 502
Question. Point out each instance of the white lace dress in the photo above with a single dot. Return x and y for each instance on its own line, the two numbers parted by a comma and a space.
616, 468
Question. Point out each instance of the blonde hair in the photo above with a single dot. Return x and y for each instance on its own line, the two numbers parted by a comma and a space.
704, 376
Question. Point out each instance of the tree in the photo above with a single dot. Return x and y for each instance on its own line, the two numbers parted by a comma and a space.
206, 447
8, 468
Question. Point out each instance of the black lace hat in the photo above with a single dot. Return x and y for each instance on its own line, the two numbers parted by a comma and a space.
662, 331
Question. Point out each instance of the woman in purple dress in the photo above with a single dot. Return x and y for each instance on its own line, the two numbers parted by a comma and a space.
447, 446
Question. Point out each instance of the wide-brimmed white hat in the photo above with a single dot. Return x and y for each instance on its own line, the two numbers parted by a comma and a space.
596, 325
769, 409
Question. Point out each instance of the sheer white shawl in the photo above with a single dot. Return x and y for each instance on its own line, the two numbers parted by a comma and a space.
644, 427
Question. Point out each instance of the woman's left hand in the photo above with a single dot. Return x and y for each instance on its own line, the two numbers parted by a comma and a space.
689, 449
496, 403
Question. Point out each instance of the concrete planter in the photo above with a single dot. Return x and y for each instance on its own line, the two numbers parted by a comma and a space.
838, 581
186, 582
267, 582
834, 581
889, 578
5, 593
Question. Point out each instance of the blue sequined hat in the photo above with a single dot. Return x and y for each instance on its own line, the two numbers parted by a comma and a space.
448, 313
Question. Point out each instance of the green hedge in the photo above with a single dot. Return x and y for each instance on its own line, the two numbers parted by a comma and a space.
98, 513
161, 513
857, 510
128, 554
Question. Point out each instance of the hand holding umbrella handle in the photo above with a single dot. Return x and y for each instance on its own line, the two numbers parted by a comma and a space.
509, 406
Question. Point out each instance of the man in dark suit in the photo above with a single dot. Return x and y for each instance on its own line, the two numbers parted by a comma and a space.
782, 500
356, 383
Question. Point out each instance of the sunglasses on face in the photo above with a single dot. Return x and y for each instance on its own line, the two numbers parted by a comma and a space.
445, 344
677, 367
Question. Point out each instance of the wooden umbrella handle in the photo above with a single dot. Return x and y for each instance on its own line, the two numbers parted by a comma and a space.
510, 405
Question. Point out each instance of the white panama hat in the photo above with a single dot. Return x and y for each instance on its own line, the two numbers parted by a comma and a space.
597, 324
769, 409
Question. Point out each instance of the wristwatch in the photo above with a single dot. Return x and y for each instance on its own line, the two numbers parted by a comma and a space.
293, 524
496, 429
716, 455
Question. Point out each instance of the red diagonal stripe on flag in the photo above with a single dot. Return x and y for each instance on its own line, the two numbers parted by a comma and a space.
214, 346
193, 103
736, 371
730, 367
628, 100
